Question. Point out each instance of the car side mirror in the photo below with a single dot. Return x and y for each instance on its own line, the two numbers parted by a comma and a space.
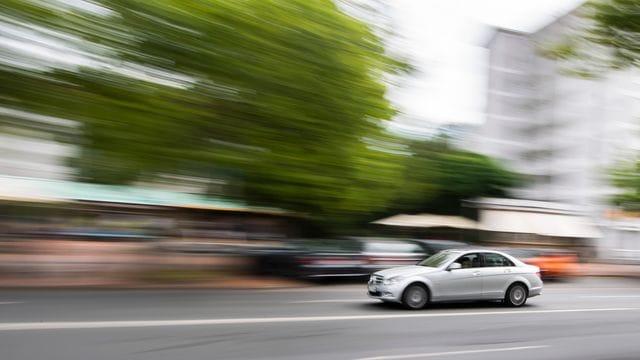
454, 266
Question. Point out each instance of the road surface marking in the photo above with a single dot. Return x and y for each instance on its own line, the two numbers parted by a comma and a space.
345, 288
331, 301
199, 322
609, 296
449, 353
548, 288
10, 302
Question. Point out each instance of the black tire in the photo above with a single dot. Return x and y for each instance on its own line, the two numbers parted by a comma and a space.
516, 295
415, 297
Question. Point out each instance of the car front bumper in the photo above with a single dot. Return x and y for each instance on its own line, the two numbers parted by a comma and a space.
384, 292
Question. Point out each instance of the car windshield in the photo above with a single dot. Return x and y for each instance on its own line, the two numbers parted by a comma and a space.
437, 260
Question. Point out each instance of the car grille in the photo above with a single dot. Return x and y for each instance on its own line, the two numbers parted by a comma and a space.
377, 279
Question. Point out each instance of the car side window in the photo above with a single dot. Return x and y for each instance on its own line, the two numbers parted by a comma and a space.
470, 261
494, 260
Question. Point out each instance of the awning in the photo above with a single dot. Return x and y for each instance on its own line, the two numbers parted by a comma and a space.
539, 223
427, 221
45, 190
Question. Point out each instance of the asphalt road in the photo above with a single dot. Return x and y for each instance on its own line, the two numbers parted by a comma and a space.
581, 319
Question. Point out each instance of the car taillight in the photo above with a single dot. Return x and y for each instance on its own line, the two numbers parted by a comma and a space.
538, 274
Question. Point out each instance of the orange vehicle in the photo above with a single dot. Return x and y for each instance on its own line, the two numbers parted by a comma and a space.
553, 264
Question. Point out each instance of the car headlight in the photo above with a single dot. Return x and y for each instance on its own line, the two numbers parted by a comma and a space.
392, 280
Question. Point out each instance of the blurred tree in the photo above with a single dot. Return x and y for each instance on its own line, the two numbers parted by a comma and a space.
609, 37
283, 94
627, 178
438, 177
615, 24
284, 100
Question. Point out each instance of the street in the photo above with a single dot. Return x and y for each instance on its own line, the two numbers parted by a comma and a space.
589, 318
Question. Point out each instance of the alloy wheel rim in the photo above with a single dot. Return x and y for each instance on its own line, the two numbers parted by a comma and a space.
517, 295
416, 297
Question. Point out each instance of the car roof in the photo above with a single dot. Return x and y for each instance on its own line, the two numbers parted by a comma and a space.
440, 241
476, 249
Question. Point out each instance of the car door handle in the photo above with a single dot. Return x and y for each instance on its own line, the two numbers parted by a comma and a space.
476, 273
506, 271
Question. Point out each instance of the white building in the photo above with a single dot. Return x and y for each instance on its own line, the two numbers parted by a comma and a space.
29, 145
565, 133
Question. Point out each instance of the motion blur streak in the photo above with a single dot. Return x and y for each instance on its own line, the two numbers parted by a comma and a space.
452, 353
158, 323
166, 152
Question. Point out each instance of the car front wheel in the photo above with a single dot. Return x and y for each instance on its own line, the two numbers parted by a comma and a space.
415, 297
516, 295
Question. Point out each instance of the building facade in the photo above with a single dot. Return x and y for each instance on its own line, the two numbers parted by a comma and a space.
564, 133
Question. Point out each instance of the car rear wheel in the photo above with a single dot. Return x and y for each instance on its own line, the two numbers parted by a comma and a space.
516, 295
415, 297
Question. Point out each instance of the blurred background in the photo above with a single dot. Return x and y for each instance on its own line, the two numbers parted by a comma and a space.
202, 143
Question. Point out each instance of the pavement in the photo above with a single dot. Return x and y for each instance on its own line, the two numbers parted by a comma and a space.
609, 269
51, 263
582, 318
222, 279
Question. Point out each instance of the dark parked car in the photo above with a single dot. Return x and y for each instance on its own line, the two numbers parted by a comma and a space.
312, 258
348, 257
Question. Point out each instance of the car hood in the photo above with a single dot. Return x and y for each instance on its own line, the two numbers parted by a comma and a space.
410, 270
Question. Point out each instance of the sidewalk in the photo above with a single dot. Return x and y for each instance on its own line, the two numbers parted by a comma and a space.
234, 281
603, 269
92, 264
106, 282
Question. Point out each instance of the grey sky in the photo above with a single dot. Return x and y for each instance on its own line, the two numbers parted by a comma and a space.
445, 40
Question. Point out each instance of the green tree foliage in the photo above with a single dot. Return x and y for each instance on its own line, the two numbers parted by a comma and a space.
615, 24
608, 37
282, 92
438, 176
627, 178
283, 99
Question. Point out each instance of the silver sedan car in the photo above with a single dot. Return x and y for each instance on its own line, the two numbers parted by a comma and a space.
454, 275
